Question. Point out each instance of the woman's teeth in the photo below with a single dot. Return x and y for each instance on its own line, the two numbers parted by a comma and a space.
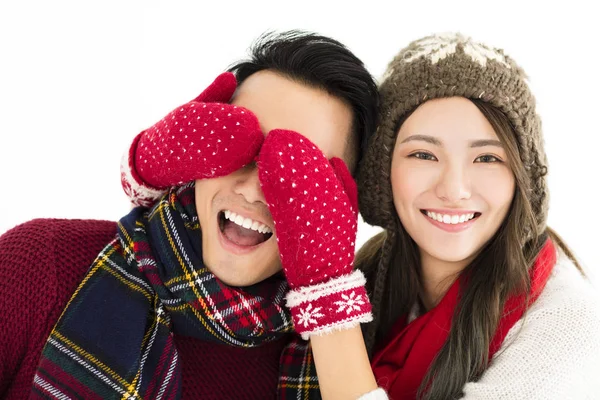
450, 219
247, 222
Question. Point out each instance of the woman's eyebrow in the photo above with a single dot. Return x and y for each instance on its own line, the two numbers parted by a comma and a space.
424, 138
486, 142
437, 142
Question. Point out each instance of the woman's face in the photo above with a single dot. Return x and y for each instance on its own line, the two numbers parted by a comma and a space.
451, 180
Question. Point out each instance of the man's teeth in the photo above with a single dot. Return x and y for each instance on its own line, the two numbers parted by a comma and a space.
450, 219
247, 222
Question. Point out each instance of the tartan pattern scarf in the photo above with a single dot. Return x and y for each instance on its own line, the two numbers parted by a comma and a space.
115, 337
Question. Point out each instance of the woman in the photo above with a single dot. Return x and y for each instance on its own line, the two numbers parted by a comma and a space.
473, 295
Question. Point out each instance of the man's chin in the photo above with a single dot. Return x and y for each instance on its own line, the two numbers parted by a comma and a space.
235, 274
244, 269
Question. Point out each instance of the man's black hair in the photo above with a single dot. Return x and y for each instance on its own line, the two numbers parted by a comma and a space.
324, 63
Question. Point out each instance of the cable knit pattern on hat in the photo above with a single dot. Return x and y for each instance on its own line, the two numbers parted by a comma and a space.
448, 65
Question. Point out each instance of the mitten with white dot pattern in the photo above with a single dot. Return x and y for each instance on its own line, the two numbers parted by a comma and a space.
205, 138
314, 206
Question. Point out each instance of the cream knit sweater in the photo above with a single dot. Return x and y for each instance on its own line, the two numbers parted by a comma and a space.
553, 352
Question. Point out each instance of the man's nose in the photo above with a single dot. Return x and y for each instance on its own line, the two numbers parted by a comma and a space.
248, 185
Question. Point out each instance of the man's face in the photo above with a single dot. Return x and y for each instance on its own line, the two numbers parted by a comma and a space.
244, 251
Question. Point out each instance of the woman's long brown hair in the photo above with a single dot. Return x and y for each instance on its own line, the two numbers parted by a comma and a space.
391, 262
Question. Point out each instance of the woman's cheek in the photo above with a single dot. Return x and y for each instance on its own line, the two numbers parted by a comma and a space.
411, 179
496, 186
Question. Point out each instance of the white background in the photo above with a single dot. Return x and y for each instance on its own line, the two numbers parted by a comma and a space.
79, 80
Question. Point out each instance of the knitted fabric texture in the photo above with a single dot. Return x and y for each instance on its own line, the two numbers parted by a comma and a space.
448, 65
204, 138
34, 270
553, 352
402, 363
314, 208
122, 344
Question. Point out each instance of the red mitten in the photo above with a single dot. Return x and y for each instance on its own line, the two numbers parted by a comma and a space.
205, 138
314, 207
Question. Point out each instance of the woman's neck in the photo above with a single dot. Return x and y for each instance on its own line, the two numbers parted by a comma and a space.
436, 278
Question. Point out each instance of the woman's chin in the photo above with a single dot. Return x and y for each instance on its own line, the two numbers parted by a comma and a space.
449, 254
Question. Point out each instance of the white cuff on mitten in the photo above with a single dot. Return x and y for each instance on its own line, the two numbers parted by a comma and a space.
139, 193
340, 303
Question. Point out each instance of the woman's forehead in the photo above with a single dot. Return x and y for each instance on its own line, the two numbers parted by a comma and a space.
452, 120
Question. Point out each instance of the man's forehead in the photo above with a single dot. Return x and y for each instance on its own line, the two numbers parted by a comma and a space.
268, 91
282, 103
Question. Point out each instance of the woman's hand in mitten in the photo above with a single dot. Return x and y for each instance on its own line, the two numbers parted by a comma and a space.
314, 206
205, 138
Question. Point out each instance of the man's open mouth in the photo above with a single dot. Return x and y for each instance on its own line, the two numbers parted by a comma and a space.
243, 231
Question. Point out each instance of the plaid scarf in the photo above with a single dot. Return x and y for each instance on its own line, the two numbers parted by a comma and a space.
115, 337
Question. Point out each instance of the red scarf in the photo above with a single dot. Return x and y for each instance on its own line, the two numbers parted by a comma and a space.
402, 363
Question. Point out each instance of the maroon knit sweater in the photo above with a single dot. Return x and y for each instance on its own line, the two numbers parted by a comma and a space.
41, 264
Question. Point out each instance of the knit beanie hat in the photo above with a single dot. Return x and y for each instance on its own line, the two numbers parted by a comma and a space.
447, 65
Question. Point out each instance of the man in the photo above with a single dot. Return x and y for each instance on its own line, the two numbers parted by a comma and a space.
187, 301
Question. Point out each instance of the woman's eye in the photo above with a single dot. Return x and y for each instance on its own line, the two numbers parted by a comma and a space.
487, 159
423, 156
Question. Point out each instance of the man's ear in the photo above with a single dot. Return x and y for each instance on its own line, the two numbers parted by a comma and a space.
351, 153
